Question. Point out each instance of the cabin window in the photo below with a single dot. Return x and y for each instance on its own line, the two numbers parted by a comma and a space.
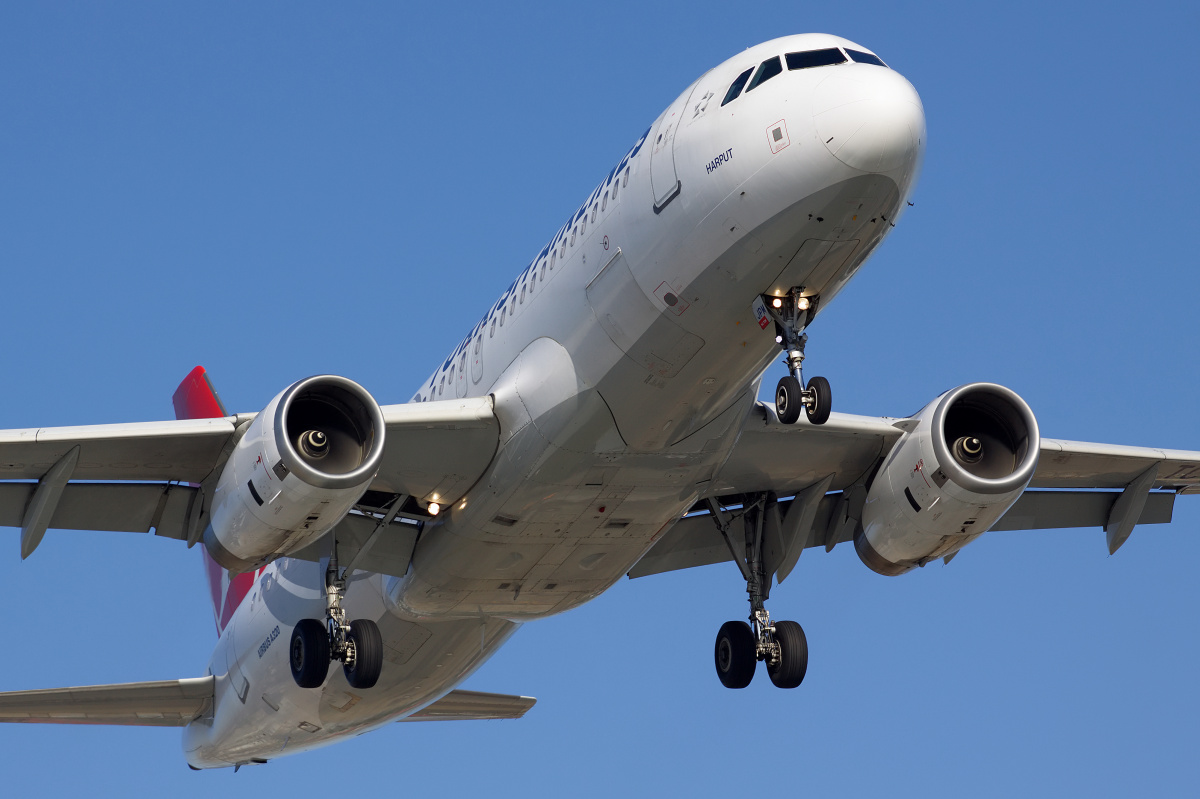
462, 363
736, 87
864, 58
815, 58
604, 202
552, 259
573, 236
543, 277
442, 386
451, 374
624, 182
493, 328
522, 293
595, 210
766, 70
583, 224
503, 312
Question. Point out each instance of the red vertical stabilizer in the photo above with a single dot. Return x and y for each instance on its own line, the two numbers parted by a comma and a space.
196, 399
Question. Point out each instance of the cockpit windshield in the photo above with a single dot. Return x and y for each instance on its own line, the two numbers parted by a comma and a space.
815, 58
865, 58
808, 59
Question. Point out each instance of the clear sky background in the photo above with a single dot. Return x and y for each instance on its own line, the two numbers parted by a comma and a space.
276, 190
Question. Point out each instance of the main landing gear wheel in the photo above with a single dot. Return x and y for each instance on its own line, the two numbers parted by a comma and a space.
819, 400
362, 671
782, 644
790, 666
788, 402
315, 645
309, 653
734, 654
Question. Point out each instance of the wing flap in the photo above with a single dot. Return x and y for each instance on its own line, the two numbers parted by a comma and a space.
474, 706
167, 703
116, 507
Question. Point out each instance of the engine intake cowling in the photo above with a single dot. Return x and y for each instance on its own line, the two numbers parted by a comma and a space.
971, 455
300, 467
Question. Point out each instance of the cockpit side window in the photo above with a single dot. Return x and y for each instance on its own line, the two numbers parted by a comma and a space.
766, 70
864, 58
736, 87
815, 58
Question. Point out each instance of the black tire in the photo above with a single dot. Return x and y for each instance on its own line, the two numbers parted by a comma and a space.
819, 413
793, 655
787, 399
368, 654
734, 654
309, 653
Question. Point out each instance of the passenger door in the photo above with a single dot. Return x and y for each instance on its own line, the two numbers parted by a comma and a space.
664, 181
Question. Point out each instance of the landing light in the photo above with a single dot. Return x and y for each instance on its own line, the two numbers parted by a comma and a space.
802, 303
777, 303
434, 508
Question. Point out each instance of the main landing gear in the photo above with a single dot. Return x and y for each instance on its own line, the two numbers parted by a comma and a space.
739, 647
791, 314
315, 645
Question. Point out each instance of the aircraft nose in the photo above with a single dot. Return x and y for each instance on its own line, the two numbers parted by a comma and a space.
870, 118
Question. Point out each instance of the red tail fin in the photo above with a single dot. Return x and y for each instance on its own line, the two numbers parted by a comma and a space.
196, 399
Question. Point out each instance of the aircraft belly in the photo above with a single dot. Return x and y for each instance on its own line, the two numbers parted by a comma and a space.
422, 662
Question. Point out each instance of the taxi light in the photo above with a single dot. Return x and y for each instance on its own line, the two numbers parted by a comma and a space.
802, 303
434, 508
777, 303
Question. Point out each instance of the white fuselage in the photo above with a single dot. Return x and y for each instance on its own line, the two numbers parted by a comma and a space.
622, 361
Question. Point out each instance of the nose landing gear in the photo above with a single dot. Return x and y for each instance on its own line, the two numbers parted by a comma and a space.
791, 314
739, 646
314, 646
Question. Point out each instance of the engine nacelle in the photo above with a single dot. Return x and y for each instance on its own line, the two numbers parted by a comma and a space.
300, 467
949, 479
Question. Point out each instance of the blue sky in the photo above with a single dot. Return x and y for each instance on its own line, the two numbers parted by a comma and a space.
179, 182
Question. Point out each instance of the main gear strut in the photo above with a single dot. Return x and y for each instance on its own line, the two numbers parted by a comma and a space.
358, 645
781, 645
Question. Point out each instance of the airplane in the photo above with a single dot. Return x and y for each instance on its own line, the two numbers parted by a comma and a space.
601, 419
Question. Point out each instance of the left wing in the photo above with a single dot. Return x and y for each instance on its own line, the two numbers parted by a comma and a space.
828, 468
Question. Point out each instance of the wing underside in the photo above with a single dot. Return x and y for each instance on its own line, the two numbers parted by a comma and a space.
828, 469
153, 476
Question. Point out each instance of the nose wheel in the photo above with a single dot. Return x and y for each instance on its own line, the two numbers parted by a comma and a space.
781, 645
358, 645
791, 314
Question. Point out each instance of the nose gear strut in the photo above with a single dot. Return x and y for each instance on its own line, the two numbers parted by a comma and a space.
781, 645
791, 317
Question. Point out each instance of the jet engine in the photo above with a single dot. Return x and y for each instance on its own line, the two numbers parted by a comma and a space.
301, 465
951, 477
